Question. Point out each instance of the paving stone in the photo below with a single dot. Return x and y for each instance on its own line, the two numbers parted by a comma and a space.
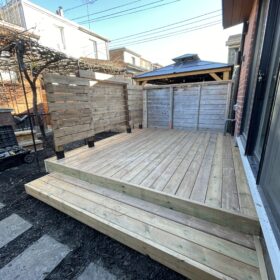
95, 272
11, 227
37, 261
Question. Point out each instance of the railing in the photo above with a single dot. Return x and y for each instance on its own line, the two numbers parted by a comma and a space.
23, 123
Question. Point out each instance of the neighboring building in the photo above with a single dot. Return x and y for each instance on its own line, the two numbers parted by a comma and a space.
134, 62
187, 68
156, 66
233, 44
55, 31
258, 112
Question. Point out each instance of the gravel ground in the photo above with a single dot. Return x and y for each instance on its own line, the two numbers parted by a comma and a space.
87, 245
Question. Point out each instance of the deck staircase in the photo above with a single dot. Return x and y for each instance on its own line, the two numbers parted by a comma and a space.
168, 229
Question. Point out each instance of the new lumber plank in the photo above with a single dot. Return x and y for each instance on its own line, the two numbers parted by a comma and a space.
187, 220
169, 258
229, 188
178, 165
214, 190
233, 220
208, 241
138, 222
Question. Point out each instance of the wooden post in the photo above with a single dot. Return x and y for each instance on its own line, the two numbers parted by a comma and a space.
59, 151
171, 107
145, 108
127, 118
198, 107
226, 76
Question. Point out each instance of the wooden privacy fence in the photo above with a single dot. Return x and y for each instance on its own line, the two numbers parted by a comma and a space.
187, 106
81, 107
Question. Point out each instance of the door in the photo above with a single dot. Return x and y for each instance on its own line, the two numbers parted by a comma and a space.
270, 174
260, 96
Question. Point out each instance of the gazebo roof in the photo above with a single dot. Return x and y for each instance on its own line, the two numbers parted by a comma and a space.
184, 64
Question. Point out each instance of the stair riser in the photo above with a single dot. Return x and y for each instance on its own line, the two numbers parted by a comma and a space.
174, 261
236, 222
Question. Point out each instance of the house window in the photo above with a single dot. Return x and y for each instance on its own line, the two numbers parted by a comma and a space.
133, 60
94, 48
62, 37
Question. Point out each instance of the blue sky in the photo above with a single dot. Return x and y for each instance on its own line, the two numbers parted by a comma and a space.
208, 42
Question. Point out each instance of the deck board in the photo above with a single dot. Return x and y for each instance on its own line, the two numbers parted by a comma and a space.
200, 254
214, 190
186, 187
178, 165
200, 166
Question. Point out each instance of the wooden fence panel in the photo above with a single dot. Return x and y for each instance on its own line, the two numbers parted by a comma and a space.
108, 107
158, 103
81, 107
135, 105
186, 102
69, 108
194, 106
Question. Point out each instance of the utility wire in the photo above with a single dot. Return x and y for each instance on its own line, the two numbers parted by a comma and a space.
76, 7
168, 25
103, 11
160, 31
110, 17
170, 34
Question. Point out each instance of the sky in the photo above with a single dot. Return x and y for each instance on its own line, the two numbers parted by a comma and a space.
208, 42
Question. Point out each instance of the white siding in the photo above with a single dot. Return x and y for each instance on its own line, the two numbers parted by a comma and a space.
128, 58
61, 34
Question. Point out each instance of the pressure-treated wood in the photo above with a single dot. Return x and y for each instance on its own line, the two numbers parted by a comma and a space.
80, 107
200, 106
135, 105
193, 247
198, 173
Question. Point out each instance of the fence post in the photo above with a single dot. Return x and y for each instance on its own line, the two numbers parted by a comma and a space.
198, 107
127, 118
145, 108
171, 106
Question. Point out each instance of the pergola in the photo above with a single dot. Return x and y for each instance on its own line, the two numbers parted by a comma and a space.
188, 68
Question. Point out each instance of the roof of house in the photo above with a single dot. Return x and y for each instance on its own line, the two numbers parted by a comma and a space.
236, 11
184, 63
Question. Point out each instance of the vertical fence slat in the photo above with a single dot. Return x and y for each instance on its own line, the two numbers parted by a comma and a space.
171, 107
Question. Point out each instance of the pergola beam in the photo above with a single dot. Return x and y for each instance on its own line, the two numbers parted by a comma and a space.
215, 76
187, 74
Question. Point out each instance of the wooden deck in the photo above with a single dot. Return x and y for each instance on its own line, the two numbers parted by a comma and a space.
203, 167
179, 196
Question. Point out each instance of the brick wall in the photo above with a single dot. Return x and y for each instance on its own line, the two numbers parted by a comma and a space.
246, 64
116, 55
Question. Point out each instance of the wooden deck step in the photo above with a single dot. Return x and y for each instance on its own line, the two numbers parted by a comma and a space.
193, 247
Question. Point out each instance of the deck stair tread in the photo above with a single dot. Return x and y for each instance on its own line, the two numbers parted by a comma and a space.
193, 247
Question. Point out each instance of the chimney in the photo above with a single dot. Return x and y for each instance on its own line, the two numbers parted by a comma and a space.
60, 12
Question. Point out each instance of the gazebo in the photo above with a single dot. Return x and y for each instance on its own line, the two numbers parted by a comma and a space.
188, 68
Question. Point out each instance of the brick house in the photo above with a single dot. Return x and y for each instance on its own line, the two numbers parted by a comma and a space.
257, 117
133, 62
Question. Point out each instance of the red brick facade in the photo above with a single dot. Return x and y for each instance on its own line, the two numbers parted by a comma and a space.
246, 64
